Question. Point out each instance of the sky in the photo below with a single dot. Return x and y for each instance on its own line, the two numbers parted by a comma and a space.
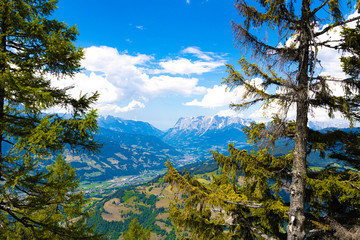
159, 60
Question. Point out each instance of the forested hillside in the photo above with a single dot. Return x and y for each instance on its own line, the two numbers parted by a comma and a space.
148, 203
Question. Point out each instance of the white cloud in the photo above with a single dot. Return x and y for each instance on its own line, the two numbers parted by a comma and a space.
109, 61
159, 85
140, 27
218, 97
120, 77
230, 113
186, 66
198, 53
314, 115
130, 107
133, 105
206, 62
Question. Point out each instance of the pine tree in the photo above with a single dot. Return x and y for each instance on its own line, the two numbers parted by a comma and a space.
136, 232
38, 202
247, 200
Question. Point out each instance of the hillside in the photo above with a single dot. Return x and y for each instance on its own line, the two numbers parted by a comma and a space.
122, 154
128, 126
147, 202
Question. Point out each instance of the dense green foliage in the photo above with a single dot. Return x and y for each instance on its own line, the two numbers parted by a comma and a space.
262, 195
136, 232
35, 49
146, 215
144, 205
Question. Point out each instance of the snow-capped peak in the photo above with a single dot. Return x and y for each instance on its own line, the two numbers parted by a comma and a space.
202, 124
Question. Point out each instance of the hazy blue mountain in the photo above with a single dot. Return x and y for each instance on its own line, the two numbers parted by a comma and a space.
199, 135
129, 148
128, 126
122, 154
203, 124
317, 125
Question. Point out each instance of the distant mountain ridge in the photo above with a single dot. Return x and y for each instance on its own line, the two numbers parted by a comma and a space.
317, 125
202, 124
128, 126
131, 147
199, 135
122, 154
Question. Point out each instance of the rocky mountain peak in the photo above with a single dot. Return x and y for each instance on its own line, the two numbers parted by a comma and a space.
200, 125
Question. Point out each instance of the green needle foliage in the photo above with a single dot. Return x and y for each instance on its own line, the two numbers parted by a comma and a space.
265, 196
136, 232
38, 202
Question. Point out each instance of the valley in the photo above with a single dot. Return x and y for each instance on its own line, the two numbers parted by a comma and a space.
99, 189
131, 148
125, 180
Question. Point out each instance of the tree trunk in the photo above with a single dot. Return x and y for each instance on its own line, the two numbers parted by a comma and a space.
2, 71
295, 228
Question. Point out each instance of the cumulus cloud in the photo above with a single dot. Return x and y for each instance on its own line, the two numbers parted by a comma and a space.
109, 61
159, 85
186, 66
133, 105
220, 96
204, 62
121, 77
217, 97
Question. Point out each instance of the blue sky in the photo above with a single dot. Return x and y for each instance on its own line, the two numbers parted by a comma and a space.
179, 45
155, 61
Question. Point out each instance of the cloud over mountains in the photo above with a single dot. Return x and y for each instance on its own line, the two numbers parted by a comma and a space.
126, 82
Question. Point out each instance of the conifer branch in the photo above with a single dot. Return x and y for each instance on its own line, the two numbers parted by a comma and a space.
261, 234
251, 205
313, 12
341, 231
356, 187
259, 47
255, 230
342, 23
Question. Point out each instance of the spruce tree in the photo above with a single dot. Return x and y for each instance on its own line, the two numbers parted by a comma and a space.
136, 231
38, 201
247, 200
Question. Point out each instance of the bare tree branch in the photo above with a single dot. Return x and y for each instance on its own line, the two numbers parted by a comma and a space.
313, 12
335, 25
251, 205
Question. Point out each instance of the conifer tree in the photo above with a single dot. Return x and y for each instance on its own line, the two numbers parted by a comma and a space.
136, 232
38, 201
247, 200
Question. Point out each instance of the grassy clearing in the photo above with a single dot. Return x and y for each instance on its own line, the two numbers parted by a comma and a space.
116, 211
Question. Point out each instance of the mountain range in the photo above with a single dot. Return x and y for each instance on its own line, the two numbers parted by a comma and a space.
131, 147
199, 135
128, 126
